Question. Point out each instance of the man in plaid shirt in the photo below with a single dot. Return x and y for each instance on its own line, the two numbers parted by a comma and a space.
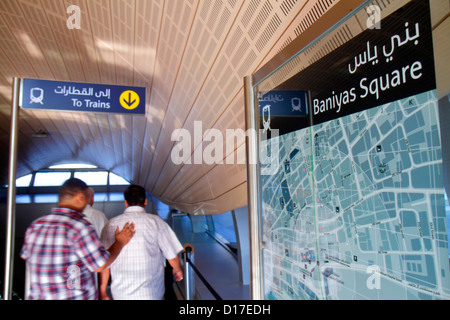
63, 251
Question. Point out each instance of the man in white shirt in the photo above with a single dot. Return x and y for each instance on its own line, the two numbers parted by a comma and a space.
138, 273
94, 216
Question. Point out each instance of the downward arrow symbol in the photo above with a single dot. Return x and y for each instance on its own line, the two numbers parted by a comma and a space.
129, 100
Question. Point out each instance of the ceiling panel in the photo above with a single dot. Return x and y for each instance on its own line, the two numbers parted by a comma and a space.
190, 55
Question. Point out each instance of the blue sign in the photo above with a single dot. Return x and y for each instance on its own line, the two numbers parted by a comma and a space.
84, 97
284, 103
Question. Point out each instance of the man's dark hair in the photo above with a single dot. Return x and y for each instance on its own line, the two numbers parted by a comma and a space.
71, 187
135, 195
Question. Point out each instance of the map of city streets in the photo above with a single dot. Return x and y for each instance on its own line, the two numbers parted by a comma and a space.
352, 199
355, 209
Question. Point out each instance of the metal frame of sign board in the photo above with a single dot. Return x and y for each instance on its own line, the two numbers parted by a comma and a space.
17, 93
262, 79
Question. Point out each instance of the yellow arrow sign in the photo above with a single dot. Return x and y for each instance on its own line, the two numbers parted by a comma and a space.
129, 100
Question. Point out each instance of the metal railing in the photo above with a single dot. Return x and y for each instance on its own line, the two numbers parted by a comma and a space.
188, 284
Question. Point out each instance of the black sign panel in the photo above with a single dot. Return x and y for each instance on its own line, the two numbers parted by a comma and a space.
376, 67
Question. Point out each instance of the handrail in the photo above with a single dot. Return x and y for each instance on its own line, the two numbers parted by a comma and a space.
210, 288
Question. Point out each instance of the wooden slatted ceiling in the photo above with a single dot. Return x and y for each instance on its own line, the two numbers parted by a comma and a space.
191, 55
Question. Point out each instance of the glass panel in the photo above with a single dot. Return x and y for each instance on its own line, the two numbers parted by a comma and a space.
23, 198
46, 198
24, 181
116, 196
352, 189
447, 211
224, 226
50, 179
93, 178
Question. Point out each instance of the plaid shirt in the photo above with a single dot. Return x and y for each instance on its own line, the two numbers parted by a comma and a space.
62, 251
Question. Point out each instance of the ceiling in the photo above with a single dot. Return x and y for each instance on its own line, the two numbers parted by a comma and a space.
191, 55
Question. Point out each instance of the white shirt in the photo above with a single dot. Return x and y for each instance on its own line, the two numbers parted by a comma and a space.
138, 271
96, 218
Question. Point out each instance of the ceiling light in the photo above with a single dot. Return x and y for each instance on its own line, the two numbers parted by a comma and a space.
74, 166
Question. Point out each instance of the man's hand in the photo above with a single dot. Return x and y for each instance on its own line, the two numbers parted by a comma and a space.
178, 275
104, 296
176, 266
124, 236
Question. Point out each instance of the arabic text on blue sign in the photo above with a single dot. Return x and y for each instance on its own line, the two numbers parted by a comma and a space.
84, 97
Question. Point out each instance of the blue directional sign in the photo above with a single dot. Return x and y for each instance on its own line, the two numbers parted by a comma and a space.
282, 109
82, 97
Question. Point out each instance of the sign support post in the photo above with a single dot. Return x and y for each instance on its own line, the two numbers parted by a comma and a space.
11, 200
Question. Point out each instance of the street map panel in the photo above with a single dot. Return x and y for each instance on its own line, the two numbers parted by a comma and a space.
355, 207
